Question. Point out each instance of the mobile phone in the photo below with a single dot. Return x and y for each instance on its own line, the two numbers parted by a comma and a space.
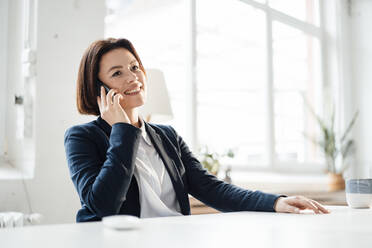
99, 84
107, 89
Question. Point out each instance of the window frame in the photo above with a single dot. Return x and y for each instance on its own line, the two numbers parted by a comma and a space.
271, 16
3, 72
17, 121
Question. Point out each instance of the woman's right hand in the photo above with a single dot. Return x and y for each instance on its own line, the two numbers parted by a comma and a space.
110, 108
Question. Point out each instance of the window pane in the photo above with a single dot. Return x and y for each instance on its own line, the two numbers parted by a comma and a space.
231, 73
296, 72
157, 30
305, 10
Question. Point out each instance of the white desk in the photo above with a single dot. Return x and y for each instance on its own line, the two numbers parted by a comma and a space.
344, 227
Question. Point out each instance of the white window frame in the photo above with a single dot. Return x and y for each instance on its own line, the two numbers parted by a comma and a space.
19, 155
271, 16
3, 71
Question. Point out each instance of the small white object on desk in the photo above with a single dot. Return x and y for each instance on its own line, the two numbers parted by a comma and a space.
121, 222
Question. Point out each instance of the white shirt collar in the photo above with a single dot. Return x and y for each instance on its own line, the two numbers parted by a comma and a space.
144, 133
157, 196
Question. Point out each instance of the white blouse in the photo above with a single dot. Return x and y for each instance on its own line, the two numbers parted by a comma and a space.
156, 194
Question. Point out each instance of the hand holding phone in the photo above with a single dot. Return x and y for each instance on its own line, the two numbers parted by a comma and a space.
109, 105
99, 85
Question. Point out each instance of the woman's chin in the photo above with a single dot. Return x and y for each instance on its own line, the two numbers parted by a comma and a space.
133, 104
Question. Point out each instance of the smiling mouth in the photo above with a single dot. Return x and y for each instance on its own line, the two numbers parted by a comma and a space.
133, 92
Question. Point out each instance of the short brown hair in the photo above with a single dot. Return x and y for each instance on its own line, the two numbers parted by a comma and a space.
87, 87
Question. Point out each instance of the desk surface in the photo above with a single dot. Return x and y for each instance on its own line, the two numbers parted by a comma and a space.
344, 227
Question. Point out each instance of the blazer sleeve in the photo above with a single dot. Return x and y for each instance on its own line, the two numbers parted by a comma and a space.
102, 186
218, 194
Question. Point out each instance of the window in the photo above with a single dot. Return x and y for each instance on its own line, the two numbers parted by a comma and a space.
17, 84
231, 79
254, 61
3, 72
296, 65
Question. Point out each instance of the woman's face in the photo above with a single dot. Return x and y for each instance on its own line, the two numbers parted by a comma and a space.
120, 70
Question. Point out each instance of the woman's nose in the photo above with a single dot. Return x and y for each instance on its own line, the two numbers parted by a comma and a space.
131, 77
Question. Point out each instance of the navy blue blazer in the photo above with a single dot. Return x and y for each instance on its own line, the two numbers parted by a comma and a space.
101, 161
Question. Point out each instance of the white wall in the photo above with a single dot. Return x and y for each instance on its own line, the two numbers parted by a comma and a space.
361, 64
64, 30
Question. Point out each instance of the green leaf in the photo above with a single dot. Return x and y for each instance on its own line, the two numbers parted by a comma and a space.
346, 148
351, 124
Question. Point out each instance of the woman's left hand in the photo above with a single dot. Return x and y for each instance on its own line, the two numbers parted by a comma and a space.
293, 204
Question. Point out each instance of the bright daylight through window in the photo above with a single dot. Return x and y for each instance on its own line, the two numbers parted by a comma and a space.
254, 62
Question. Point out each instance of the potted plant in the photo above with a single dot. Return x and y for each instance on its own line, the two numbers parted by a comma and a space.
337, 149
211, 159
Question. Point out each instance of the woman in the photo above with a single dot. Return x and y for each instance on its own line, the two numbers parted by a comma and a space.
120, 164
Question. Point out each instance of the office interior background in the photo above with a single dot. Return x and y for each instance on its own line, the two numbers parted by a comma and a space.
240, 74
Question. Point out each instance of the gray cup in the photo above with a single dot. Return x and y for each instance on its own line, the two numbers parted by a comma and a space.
359, 193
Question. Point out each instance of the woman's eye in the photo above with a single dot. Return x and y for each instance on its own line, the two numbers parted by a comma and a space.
117, 73
135, 68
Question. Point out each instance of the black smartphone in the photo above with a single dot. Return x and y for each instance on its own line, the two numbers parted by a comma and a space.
99, 84
107, 89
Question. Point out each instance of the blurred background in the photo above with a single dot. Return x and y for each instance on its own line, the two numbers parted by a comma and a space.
261, 85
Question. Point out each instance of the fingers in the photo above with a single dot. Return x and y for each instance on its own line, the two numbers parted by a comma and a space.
106, 100
304, 203
312, 205
295, 204
117, 98
320, 207
103, 97
301, 203
99, 104
109, 97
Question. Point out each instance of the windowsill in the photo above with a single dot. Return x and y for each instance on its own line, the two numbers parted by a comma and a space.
7, 172
10, 172
21, 166
310, 185
281, 182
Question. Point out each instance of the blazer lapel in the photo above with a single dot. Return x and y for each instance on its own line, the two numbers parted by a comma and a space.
172, 170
